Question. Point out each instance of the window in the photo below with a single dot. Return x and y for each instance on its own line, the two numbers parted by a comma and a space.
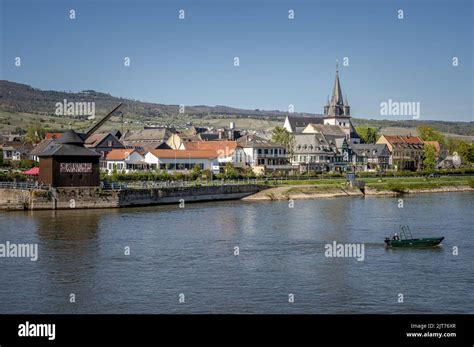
109, 143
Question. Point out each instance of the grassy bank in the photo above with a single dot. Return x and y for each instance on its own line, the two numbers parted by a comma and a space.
338, 187
394, 184
407, 184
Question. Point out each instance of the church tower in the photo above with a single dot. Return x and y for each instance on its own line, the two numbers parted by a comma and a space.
337, 111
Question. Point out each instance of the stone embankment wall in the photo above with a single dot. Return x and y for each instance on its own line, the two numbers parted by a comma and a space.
92, 197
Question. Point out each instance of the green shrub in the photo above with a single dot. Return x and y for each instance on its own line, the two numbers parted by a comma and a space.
396, 187
26, 164
12, 176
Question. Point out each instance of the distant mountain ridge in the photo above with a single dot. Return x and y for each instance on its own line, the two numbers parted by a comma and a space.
16, 97
21, 98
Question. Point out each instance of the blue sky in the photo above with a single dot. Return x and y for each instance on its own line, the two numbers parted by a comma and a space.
282, 61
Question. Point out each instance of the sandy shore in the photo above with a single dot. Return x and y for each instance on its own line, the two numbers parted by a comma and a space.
299, 192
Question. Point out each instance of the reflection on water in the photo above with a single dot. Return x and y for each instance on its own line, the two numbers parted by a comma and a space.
191, 251
66, 225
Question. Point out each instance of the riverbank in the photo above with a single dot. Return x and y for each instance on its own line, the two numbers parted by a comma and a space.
94, 197
392, 187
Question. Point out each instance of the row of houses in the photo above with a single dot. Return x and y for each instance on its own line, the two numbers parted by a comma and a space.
317, 148
324, 148
175, 154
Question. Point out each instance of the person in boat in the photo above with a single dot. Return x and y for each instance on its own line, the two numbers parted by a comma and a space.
396, 237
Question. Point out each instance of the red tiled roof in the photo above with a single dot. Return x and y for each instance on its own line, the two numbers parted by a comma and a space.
413, 140
119, 154
223, 148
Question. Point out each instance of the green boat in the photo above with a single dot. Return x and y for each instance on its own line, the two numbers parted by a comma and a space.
406, 240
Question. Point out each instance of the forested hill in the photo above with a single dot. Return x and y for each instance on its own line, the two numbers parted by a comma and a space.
18, 98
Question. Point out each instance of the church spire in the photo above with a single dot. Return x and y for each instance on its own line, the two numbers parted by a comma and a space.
336, 93
337, 106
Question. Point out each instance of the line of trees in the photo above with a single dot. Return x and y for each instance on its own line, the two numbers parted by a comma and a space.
448, 145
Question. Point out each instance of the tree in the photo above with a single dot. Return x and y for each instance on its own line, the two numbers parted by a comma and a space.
284, 137
451, 145
35, 133
465, 151
230, 171
368, 134
196, 171
429, 157
429, 134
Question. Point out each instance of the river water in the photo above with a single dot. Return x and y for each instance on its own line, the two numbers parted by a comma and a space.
281, 251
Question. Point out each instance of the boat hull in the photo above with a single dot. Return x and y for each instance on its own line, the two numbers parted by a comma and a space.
412, 243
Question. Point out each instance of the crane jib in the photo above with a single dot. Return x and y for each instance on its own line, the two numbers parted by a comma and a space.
102, 121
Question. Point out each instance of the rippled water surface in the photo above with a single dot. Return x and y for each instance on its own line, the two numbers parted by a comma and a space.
191, 251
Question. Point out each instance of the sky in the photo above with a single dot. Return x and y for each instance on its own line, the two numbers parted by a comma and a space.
282, 61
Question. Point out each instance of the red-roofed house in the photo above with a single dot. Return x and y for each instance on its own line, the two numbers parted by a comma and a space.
406, 151
227, 151
124, 160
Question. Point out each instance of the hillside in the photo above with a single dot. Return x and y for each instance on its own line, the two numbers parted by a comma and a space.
21, 104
